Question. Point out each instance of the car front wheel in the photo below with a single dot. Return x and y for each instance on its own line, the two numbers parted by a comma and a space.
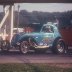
24, 47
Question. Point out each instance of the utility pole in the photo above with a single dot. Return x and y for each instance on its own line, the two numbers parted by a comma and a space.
18, 17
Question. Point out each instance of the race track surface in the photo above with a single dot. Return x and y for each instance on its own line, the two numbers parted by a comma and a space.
17, 57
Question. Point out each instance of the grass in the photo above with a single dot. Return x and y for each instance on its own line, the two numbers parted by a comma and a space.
33, 68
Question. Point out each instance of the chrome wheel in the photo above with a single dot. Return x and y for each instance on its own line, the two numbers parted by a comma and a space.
24, 47
60, 47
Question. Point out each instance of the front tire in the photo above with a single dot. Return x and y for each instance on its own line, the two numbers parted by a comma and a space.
24, 47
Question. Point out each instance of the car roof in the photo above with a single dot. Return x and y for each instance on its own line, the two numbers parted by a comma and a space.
49, 24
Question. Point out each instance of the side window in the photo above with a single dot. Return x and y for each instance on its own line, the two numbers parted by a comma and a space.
48, 29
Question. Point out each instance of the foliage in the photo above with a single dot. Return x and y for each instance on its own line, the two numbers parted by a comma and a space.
26, 18
26, 67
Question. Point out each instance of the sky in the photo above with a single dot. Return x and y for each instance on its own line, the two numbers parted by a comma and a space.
44, 7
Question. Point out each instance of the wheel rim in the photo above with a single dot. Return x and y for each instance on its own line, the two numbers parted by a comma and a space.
24, 47
60, 47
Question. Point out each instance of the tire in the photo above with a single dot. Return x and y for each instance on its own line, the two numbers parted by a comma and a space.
5, 46
24, 47
58, 46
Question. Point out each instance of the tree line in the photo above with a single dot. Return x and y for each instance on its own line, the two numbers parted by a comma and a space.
28, 18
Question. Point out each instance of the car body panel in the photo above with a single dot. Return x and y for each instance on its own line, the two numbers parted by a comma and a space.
43, 39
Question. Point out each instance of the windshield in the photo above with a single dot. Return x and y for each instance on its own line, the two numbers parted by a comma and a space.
47, 29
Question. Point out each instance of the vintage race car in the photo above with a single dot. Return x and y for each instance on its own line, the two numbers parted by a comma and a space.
47, 38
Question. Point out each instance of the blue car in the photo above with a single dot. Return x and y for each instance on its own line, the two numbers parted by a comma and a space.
48, 38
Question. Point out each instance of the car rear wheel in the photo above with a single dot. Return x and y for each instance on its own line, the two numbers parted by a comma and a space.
59, 46
24, 47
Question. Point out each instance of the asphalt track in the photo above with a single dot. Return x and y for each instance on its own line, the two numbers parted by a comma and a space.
17, 57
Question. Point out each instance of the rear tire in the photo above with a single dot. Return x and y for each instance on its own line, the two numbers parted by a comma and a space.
59, 46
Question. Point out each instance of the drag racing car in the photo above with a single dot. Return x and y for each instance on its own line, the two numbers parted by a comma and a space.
48, 38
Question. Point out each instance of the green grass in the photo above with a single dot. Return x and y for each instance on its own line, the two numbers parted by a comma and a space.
32, 68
